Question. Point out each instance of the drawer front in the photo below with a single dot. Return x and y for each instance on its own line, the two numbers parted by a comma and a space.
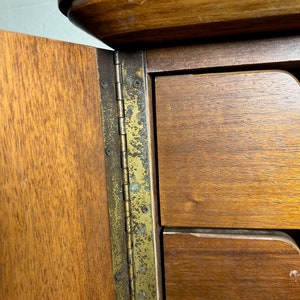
229, 149
206, 265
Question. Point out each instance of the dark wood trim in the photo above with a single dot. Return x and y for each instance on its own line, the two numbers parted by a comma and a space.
250, 53
140, 23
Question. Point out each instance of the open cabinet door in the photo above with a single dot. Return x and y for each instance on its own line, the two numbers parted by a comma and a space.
54, 222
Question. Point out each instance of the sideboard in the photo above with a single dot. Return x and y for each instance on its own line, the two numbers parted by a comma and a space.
166, 169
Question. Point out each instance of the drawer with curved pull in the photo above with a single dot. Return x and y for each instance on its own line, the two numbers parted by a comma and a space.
230, 264
228, 149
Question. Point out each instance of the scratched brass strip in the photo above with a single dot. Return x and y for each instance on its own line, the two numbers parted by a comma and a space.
142, 212
114, 176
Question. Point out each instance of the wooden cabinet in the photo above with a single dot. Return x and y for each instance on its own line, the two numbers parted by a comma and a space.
227, 152
165, 173
227, 142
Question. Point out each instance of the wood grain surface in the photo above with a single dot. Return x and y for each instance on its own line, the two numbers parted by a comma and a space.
229, 149
54, 227
123, 22
201, 265
268, 53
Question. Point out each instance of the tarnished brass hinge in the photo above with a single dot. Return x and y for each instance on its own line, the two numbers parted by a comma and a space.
138, 182
125, 174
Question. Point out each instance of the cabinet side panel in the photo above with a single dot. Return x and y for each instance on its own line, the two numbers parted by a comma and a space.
54, 228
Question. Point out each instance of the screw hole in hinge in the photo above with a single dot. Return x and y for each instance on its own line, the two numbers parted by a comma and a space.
108, 152
145, 209
118, 276
104, 84
137, 83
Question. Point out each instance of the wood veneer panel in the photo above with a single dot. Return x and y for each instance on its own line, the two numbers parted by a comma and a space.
230, 266
54, 231
228, 149
283, 51
123, 23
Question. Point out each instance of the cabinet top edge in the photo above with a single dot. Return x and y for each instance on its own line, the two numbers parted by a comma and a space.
121, 23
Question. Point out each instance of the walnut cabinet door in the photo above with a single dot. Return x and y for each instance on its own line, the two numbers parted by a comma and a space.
54, 227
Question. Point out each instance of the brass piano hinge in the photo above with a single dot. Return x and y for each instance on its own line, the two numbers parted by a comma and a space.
139, 182
125, 173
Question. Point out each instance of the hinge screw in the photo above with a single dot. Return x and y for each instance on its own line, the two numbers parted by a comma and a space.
108, 152
118, 276
104, 84
137, 83
144, 209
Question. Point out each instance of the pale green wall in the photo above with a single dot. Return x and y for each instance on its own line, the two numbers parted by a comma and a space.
42, 18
